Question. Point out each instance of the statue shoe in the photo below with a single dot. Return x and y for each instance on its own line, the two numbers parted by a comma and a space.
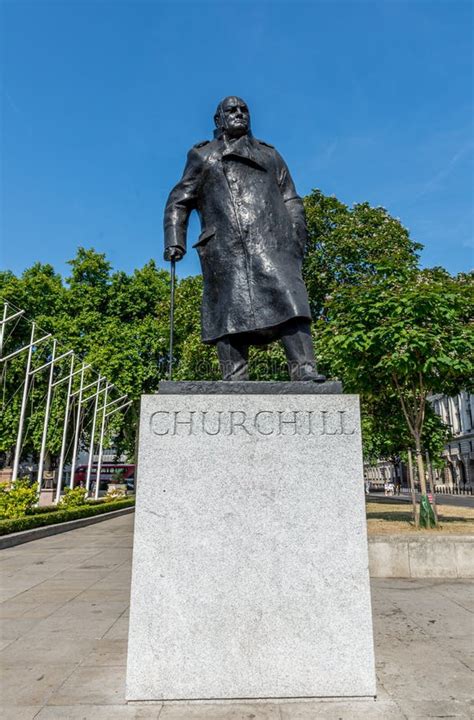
308, 373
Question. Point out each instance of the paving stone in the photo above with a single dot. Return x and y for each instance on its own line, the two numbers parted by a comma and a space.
73, 627
92, 686
31, 684
355, 710
424, 709
119, 630
102, 594
434, 674
108, 652
40, 611
457, 591
19, 713
11, 630
218, 711
96, 712
12, 610
87, 610
41, 651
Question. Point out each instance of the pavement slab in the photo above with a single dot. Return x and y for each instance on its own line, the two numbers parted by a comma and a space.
20, 713
94, 712
64, 629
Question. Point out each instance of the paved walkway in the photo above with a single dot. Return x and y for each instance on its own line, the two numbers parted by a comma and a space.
64, 633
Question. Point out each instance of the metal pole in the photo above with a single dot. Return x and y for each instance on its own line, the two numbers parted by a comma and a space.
46, 417
47, 364
111, 412
76, 429
173, 278
63, 443
2, 329
114, 402
97, 392
101, 445
4, 321
66, 377
16, 460
91, 445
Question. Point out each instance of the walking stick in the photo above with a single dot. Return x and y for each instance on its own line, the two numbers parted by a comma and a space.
173, 277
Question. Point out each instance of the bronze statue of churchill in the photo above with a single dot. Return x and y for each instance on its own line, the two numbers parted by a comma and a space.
251, 246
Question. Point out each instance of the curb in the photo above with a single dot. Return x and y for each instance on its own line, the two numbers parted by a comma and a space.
25, 536
424, 556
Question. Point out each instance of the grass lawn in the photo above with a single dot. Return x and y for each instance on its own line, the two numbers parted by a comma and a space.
386, 519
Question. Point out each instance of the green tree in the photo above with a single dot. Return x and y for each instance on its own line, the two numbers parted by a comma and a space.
40, 293
112, 321
347, 246
407, 336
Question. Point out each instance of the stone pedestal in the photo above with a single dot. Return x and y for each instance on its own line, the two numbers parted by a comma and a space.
250, 566
47, 497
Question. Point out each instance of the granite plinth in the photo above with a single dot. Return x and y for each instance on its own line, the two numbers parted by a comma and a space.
250, 566
248, 387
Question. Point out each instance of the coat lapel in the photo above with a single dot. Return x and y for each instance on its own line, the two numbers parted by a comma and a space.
246, 150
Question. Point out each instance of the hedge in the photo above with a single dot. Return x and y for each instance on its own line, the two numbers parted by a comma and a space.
62, 515
42, 509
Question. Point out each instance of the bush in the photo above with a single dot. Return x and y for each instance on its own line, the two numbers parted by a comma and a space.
41, 509
61, 514
17, 498
73, 497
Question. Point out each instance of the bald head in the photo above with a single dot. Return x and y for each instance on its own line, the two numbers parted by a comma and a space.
232, 117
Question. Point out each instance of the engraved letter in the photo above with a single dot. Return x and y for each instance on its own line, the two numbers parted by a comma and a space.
293, 422
234, 423
188, 423
256, 422
325, 431
219, 417
342, 418
153, 422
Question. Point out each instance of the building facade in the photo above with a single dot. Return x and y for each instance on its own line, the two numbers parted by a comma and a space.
458, 413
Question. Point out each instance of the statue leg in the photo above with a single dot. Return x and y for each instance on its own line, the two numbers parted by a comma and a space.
233, 354
298, 344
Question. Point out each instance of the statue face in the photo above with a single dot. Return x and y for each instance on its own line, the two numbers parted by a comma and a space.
235, 117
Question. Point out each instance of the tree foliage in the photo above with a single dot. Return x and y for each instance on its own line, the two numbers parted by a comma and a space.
404, 337
348, 246
117, 323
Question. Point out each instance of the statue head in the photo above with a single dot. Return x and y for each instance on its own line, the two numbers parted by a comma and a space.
232, 118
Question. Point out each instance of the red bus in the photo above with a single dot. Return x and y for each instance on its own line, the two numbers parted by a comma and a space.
109, 472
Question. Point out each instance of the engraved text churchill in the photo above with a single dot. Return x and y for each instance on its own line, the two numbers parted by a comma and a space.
240, 422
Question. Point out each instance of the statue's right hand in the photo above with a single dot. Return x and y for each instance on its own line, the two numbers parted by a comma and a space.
174, 253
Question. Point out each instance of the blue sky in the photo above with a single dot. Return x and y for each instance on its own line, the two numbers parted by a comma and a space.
102, 100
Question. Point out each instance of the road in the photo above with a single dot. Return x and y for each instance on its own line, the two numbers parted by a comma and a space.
456, 500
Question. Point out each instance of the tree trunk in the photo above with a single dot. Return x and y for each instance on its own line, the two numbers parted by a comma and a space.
426, 516
429, 467
412, 488
420, 466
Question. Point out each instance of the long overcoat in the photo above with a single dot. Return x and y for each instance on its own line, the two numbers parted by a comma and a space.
253, 235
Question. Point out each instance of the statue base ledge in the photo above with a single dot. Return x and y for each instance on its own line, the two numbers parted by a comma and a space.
248, 387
